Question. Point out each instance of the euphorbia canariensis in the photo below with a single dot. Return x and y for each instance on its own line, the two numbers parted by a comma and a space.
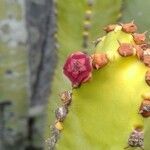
111, 112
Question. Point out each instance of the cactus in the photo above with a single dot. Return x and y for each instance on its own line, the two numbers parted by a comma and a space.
74, 39
109, 105
14, 102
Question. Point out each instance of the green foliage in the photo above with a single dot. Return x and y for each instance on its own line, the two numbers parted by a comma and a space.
13, 73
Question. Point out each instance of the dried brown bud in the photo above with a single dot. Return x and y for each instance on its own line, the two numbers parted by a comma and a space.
139, 51
146, 57
61, 113
147, 77
125, 49
129, 27
145, 46
97, 41
145, 108
110, 28
139, 38
66, 97
99, 60
136, 139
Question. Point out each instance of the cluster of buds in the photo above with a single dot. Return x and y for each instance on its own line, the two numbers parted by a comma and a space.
141, 47
62, 111
79, 66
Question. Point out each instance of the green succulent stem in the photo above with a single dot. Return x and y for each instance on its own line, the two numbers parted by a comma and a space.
105, 110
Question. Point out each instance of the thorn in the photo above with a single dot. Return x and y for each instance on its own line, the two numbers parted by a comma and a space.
119, 42
142, 148
140, 112
145, 32
129, 27
132, 21
96, 66
97, 41
127, 147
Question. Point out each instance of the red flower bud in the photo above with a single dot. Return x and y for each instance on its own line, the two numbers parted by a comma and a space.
78, 68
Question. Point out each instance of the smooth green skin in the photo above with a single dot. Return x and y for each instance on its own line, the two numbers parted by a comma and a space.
70, 38
103, 117
110, 43
104, 111
111, 50
70, 28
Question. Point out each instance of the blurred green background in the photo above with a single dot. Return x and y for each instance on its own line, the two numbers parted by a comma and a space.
36, 36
